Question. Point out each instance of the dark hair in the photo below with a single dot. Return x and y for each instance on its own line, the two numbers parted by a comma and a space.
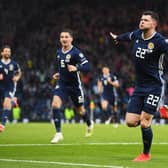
68, 31
154, 15
5, 46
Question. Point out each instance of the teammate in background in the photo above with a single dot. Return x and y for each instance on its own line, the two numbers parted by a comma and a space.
107, 84
70, 62
149, 48
10, 73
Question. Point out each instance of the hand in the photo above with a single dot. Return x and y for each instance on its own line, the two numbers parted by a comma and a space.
109, 80
16, 78
114, 37
1, 76
71, 68
56, 76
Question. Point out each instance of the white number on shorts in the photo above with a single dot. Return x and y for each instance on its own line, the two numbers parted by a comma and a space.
153, 100
80, 99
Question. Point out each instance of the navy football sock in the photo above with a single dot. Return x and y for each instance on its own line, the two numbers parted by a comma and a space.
5, 116
57, 119
147, 136
87, 119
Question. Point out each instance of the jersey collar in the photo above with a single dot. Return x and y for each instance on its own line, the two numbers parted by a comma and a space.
5, 62
67, 50
148, 37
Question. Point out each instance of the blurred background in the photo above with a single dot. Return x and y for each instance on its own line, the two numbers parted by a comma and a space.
32, 29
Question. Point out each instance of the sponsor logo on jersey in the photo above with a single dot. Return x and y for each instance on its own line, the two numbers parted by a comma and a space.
151, 46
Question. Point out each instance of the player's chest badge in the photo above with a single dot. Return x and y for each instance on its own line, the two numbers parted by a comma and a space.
67, 58
151, 46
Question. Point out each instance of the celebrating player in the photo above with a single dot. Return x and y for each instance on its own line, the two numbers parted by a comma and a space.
10, 73
149, 48
70, 62
107, 84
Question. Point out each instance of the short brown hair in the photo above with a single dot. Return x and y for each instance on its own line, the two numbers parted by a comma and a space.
153, 14
68, 31
5, 46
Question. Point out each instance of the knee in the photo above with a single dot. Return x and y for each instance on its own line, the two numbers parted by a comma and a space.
104, 108
55, 105
7, 105
80, 110
132, 123
145, 124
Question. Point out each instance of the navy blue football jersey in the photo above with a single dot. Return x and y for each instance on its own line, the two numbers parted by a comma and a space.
8, 70
108, 89
148, 57
72, 57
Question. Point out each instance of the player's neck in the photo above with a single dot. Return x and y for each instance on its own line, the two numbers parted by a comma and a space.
148, 34
6, 60
66, 48
107, 74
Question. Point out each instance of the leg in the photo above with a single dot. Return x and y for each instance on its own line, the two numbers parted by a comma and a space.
132, 119
77, 97
56, 106
104, 106
6, 111
81, 110
147, 136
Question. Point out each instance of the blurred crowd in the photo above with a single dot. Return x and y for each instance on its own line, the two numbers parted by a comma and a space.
32, 29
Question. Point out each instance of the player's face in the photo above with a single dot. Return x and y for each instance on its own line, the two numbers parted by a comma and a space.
66, 39
6, 53
147, 23
105, 70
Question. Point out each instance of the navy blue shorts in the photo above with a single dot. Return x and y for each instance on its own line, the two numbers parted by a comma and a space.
74, 92
147, 102
110, 98
7, 92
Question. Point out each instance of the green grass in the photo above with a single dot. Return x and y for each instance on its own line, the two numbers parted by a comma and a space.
75, 148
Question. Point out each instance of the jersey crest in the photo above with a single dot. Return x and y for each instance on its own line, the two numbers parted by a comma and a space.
68, 57
151, 46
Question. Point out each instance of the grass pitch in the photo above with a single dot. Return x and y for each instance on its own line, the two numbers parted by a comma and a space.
28, 146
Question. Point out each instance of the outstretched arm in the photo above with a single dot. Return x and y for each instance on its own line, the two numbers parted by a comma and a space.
123, 37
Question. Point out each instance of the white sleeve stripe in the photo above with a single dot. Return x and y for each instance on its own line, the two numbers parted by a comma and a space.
84, 62
130, 35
